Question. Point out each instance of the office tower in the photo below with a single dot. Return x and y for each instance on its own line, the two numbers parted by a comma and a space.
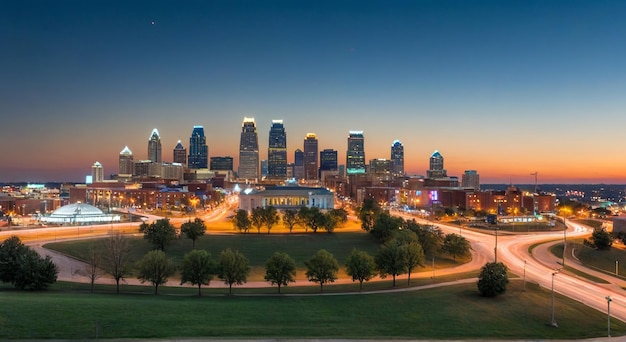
397, 156
328, 160
221, 163
381, 169
436, 166
310, 157
355, 156
97, 172
298, 164
180, 154
248, 150
277, 151
198, 150
154, 147
471, 179
125, 163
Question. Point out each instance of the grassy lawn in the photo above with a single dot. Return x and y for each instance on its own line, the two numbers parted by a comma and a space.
602, 260
257, 248
455, 312
591, 223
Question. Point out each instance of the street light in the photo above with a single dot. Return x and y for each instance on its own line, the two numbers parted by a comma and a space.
564, 239
495, 249
524, 275
608, 315
553, 322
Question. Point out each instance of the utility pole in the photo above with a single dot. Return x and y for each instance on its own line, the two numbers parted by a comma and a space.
608, 314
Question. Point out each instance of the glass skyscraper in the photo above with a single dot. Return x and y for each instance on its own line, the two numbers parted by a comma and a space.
125, 163
198, 150
397, 156
355, 156
310, 157
277, 151
154, 147
436, 167
180, 154
328, 160
298, 164
248, 150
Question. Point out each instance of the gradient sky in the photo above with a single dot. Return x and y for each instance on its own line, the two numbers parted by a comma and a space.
503, 87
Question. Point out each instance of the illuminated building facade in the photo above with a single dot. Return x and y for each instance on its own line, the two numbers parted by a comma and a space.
198, 149
470, 179
310, 157
97, 172
286, 197
154, 147
180, 154
397, 157
355, 156
221, 164
277, 151
125, 169
248, 151
298, 164
436, 166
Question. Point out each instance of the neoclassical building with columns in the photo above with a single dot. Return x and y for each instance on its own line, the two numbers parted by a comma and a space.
286, 197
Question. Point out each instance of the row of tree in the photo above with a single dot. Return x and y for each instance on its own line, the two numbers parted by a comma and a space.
161, 232
308, 217
24, 267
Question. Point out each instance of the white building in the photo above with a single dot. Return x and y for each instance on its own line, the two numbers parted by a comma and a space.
286, 197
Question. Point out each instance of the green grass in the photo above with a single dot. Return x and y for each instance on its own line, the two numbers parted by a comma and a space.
455, 312
602, 260
257, 248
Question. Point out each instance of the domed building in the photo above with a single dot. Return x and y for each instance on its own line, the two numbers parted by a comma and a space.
79, 213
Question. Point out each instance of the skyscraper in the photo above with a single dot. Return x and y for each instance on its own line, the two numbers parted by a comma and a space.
180, 154
198, 150
221, 163
277, 151
397, 156
436, 166
471, 179
125, 163
310, 157
298, 164
248, 150
154, 147
97, 172
328, 160
355, 156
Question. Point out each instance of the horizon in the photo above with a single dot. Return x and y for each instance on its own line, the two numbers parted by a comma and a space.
504, 88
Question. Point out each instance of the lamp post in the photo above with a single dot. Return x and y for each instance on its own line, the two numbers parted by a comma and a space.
495, 249
616, 267
552, 321
608, 315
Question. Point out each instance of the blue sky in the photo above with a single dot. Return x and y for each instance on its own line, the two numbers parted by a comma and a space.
503, 87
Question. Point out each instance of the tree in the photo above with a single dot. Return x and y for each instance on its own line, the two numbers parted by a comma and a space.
360, 266
368, 213
493, 279
11, 250
270, 217
311, 217
160, 233
456, 246
197, 269
156, 268
340, 216
193, 230
116, 259
385, 227
233, 268
92, 268
322, 268
258, 218
391, 260
34, 272
600, 239
280, 269
290, 218
413, 257
241, 221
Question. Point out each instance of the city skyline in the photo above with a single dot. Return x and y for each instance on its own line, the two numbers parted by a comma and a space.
503, 88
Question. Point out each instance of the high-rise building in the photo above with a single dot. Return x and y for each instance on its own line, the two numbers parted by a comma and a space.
221, 163
397, 156
471, 179
154, 147
381, 169
180, 154
198, 150
277, 151
264, 168
125, 163
436, 167
97, 172
328, 161
298, 164
355, 156
248, 150
310, 157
